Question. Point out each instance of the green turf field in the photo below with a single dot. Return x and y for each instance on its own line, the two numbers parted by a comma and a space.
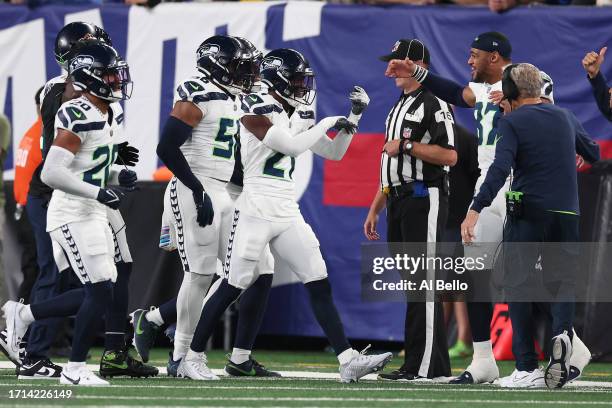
288, 392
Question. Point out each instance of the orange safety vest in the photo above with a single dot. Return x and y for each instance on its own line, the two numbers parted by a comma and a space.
28, 157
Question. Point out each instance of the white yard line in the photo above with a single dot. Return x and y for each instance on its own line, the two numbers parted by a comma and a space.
337, 399
310, 375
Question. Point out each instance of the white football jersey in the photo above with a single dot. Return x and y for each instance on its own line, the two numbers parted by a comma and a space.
91, 163
268, 173
486, 114
210, 149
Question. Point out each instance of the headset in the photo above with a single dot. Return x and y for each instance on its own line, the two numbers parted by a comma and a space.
509, 88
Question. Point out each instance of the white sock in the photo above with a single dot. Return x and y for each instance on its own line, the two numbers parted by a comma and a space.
154, 316
182, 342
483, 349
240, 356
26, 314
75, 365
346, 356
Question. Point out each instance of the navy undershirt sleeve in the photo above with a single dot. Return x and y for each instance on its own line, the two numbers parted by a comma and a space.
175, 133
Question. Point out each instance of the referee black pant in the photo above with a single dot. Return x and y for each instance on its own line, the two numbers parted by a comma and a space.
421, 219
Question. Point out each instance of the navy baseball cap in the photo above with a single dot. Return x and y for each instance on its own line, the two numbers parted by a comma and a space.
493, 41
413, 49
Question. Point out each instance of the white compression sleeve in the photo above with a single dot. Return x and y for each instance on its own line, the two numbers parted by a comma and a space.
280, 139
57, 175
336, 148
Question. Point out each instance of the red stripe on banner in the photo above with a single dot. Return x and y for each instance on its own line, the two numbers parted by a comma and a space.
353, 180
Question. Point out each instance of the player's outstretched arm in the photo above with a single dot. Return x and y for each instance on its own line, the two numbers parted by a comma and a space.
279, 139
445, 89
56, 172
335, 149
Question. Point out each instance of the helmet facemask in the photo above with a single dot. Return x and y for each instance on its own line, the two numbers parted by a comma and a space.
112, 84
246, 75
300, 89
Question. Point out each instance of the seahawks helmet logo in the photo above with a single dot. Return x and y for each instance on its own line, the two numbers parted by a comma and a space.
81, 61
272, 62
208, 50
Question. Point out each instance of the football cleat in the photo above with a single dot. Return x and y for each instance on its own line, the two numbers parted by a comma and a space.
38, 370
121, 363
523, 379
362, 364
579, 359
145, 333
81, 376
399, 375
15, 329
480, 371
557, 371
18, 358
250, 368
194, 367
172, 366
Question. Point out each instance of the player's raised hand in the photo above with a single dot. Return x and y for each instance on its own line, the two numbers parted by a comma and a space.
204, 209
345, 124
369, 227
359, 100
400, 69
330, 121
592, 62
126, 154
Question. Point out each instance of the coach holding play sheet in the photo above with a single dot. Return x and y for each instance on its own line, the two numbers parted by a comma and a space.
538, 141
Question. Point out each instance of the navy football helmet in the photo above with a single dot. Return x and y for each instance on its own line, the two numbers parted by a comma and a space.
219, 58
287, 72
247, 71
97, 68
72, 33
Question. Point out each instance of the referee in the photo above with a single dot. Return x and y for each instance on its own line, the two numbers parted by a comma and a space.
419, 140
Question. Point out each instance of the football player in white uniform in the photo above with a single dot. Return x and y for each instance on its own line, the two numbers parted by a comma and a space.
273, 133
239, 61
115, 360
78, 168
197, 145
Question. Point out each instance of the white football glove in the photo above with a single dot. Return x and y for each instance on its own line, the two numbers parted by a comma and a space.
359, 100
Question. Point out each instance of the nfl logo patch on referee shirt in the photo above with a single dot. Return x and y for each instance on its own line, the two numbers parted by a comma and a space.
406, 133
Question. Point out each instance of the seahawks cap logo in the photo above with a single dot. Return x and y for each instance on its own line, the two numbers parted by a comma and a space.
395, 46
81, 61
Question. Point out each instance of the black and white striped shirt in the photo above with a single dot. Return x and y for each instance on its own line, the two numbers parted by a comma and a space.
420, 117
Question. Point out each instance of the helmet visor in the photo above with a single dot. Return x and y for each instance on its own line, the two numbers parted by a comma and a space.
304, 87
119, 80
